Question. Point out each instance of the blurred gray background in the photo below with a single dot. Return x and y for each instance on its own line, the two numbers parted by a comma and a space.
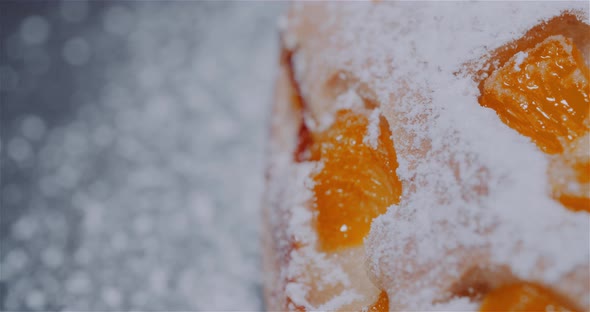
132, 153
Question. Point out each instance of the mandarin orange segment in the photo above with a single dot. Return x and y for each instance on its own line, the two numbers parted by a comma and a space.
357, 182
524, 297
381, 305
542, 93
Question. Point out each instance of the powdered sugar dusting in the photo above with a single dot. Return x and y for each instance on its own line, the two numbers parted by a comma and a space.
518, 59
373, 130
344, 298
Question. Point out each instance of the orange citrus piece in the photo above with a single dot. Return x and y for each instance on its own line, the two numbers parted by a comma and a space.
523, 297
542, 93
381, 305
357, 182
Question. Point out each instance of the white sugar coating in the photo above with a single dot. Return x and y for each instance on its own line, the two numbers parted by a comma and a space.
518, 59
342, 299
457, 304
373, 130
299, 227
475, 192
348, 100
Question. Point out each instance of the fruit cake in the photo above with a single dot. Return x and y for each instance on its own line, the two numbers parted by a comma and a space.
430, 156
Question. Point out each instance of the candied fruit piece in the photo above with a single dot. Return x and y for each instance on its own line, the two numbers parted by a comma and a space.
542, 93
357, 182
381, 305
523, 297
569, 174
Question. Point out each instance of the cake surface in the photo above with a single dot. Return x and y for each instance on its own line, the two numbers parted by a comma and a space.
485, 199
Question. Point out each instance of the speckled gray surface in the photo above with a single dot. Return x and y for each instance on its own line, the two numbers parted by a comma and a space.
133, 139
